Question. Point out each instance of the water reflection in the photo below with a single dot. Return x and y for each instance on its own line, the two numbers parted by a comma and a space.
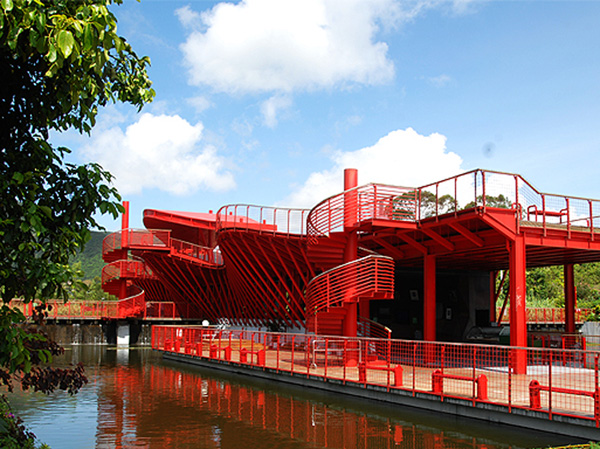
134, 399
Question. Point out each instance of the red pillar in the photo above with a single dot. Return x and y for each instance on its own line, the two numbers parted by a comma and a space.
570, 299
518, 318
429, 333
351, 249
124, 246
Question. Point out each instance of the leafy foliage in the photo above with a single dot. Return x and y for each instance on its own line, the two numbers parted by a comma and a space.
60, 61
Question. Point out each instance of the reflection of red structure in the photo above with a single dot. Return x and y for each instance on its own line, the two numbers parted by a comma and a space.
158, 406
261, 266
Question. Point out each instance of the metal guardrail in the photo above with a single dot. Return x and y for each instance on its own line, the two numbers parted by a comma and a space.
554, 382
134, 306
546, 315
262, 219
369, 202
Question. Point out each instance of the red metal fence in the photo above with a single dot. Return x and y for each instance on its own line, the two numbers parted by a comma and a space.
556, 382
546, 315
134, 307
506, 190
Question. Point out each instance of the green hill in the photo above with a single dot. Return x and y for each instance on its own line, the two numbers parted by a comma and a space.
91, 256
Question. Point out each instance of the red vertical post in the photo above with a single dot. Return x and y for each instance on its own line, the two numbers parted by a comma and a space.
570, 299
518, 318
429, 332
351, 249
124, 246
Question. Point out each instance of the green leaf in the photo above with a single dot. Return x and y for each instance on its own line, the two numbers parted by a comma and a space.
66, 42
7, 5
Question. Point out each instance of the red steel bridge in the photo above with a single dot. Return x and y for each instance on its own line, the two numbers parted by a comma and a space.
370, 252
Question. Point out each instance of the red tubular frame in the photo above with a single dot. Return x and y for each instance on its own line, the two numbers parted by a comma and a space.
471, 373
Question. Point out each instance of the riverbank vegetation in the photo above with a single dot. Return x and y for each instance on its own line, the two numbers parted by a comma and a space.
60, 61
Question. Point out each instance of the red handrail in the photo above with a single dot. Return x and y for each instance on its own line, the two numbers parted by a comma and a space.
367, 277
127, 269
373, 201
263, 219
190, 250
546, 314
136, 238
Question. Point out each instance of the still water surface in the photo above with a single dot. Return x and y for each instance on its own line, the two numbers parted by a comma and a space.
136, 400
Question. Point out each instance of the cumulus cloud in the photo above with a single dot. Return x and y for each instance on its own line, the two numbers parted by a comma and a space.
281, 46
402, 158
162, 152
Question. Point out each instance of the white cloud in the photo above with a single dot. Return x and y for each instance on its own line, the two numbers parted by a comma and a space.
439, 81
162, 152
200, 103
272, 107
402, 158
285, 45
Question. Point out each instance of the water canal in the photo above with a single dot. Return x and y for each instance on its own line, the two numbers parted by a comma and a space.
136, 400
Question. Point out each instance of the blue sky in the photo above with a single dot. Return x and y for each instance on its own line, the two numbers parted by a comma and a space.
266, 101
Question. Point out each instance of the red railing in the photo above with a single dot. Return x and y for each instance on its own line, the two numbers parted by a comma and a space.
546, 315
372, 201
125, 269
469, 374
506, 190
371, 276
372, 329
95, 310
136, 238
262, 219
190, 250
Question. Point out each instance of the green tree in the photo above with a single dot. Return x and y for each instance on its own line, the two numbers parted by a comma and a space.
499, 201
60, 61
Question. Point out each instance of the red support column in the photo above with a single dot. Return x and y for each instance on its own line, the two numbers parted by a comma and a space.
124, 245
518, 318
429, 333
351, 249
570, 299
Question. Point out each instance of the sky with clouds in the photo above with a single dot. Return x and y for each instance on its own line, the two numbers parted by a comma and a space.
267, 101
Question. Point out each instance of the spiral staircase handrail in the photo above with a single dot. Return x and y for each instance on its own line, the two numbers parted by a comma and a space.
125, 269
370, 275
145, 238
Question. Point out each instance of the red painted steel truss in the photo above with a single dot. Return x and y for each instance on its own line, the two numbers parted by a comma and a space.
260, 261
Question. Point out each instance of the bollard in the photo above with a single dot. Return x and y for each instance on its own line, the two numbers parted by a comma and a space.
362, 372
398, 372
213, 351
243, 355
177, 345
168, 346
188, 348
437, 382
262, 356
227, 351
199, 349
482, 387
534, 395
